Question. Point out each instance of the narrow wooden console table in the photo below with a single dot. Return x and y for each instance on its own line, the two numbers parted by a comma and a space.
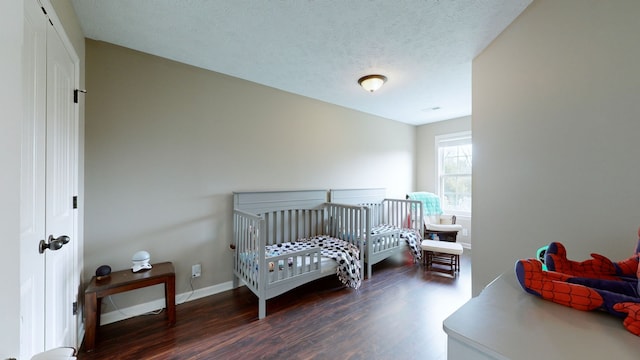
125, 280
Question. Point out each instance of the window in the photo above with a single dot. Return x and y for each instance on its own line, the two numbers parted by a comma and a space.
454, 172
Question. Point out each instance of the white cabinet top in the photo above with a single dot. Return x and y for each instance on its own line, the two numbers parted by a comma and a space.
505, 322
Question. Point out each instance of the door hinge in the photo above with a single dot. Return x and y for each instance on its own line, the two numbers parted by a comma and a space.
75, 202
75, 308
75, 94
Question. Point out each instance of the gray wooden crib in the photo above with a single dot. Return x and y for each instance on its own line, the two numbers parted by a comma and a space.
390, 222
265, 223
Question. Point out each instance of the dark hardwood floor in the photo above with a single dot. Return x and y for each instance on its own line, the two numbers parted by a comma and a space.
397, 314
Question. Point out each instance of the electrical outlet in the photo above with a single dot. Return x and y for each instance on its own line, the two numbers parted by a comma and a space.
196, 271
465, 232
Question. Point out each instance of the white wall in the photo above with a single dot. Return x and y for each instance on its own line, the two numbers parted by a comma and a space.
11, 30
427, 166
167, 144
556, 120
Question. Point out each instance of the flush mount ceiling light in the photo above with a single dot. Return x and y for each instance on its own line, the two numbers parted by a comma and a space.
372, 83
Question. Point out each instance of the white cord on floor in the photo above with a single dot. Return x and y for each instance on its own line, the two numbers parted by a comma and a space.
190, 294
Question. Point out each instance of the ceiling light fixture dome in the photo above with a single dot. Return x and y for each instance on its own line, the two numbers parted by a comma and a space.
372, 83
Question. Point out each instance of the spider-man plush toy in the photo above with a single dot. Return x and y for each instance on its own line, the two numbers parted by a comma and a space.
597, 283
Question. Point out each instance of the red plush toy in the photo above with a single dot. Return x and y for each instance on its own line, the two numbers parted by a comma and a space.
597, 283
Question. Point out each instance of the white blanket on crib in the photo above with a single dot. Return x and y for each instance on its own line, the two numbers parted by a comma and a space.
345, 254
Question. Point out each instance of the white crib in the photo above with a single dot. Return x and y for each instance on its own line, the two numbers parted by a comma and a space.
389, 221
262, 219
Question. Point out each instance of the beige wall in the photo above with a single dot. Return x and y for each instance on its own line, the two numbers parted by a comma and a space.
555, 133
167, 144
427, 166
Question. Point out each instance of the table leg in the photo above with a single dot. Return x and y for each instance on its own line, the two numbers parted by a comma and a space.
98, 312
170, 299
91, 315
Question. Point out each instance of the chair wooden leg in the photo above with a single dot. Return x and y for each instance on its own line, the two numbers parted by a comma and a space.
450, 260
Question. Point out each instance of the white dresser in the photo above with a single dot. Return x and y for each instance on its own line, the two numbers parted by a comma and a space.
505, 322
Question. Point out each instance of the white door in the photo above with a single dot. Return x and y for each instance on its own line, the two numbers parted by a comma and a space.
48, 181
59, 192
32, 188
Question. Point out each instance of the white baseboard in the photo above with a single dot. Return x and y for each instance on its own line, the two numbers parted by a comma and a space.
140, 309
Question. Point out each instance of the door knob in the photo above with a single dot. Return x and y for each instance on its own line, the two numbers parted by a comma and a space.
53, 244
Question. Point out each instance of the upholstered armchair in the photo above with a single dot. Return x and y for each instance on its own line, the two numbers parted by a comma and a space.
436, 222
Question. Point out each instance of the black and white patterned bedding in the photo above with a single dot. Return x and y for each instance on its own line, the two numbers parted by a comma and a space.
345, 254
411, 236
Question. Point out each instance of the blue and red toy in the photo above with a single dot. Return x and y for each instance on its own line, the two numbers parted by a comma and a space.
594, 284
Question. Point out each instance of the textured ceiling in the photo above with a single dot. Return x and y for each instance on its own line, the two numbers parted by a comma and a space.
319, 48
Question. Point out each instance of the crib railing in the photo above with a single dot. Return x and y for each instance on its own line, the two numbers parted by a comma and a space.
396, 212
402, 213
293, 224
268, 276
286, 266
248, 252
349, 223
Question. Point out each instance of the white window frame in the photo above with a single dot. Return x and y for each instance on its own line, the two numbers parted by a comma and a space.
463, 137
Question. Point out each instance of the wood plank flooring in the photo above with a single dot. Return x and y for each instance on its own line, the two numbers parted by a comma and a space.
397, 314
